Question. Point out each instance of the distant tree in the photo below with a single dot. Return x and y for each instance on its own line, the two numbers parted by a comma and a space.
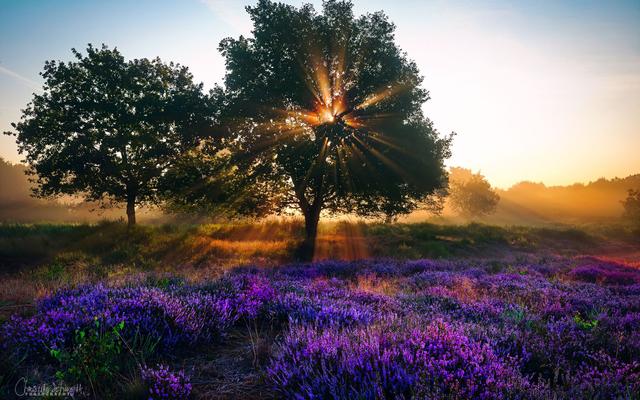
471, 194
632, 207
326, 107
14, 186
107, 129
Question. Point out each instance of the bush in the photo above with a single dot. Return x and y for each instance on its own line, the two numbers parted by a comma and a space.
94, 357
161, 383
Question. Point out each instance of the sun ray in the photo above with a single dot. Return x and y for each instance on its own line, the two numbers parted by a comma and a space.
269, 142
337, 74
320, 73
384, 159
318, 161
363, 159
383, 94
341, 124
380, 138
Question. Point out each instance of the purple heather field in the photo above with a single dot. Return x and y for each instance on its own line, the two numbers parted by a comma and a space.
557, 328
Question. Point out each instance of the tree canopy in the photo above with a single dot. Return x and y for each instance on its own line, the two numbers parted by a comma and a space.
327, 107
107, 129
471, 194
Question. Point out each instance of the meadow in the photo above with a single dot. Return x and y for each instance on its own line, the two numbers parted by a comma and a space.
384, 311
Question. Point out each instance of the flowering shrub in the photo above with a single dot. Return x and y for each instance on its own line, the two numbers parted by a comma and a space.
596, 271
170, 317
161, 383
375, 329
390, 361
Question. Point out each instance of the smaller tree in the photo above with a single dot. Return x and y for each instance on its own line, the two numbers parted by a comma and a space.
632, 208
107, 129
470, 194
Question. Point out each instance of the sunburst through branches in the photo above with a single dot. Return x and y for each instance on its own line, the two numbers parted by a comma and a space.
329, 108
344, 128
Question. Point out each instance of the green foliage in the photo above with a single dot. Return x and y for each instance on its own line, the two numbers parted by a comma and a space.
164, 282
430, 240
585, 324
100, 359
515, 314
94, 359
106, 128
206, 182
632, 208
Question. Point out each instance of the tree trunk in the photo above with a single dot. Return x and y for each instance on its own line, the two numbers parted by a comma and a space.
131, 212
308, 246
311, 212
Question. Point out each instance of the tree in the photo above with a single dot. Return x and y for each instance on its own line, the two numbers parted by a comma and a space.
471, 194
632, 207
107, 129
327, 107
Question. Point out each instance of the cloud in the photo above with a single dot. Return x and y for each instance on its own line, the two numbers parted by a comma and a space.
231, 12
29, 82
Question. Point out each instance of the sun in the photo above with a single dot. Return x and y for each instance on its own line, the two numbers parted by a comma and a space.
325, 115
347, 129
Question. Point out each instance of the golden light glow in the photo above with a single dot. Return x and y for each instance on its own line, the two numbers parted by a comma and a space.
381, 95
325, 115
351, 143
343, 241
326, 78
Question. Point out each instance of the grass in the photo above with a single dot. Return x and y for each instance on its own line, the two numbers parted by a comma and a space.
36, 259
143, 246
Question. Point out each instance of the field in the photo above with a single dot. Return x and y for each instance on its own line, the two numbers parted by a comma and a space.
385, 311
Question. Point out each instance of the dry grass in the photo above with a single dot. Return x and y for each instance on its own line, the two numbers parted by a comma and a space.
203, 247
232, 371
376, 284
342, 241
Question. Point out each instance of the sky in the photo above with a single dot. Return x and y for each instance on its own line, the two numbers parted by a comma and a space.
545, 91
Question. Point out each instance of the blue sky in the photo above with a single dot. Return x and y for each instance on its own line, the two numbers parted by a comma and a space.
545, 91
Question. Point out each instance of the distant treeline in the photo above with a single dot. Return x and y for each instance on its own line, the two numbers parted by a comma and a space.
523, 203
596, 201
530, 203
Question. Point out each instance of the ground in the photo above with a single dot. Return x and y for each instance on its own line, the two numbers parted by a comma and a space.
517, 311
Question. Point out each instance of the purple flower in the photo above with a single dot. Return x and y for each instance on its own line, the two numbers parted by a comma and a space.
562, 328
161, 383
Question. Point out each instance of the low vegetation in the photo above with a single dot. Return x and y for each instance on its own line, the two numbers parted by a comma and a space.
320, 113
150, 310
518, 327
53, 255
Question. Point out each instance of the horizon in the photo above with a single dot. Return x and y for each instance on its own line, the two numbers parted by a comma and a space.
565, 78
499, 188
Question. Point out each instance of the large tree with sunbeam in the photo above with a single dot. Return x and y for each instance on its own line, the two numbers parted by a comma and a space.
327, 106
